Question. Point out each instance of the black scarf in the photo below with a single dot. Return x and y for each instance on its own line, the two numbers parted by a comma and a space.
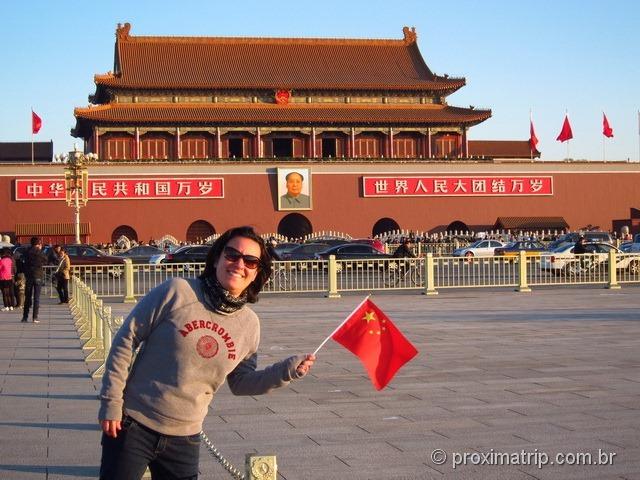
220, 299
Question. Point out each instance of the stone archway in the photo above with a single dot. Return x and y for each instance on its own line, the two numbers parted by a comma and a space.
199, 230
124, 230
295, 225
384, 225
457, 226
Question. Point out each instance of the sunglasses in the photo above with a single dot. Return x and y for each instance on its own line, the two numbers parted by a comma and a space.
233, 255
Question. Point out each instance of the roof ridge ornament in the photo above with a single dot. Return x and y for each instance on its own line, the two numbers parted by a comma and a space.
122, 31
410, 35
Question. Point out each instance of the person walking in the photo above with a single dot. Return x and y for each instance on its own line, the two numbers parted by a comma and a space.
33, 261
191, 335
7, 271
63, 274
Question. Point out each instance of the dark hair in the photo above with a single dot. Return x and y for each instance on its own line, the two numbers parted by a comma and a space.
264, 270
35, 241
291, 173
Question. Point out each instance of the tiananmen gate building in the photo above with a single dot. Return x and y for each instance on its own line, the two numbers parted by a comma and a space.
197, 134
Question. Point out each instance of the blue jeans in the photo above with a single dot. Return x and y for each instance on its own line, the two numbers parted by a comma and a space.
32, 297
169, 457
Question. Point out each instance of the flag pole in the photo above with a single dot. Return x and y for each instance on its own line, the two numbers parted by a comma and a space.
32, 155
566, 115
530, 147
604, 157
343, 322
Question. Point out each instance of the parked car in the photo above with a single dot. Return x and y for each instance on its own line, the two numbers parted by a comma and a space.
140, 254
352, 251
562, 260
86, 255
188, 254
285, 247
481, 248
572, 238
531, 247
306, 251
374, 242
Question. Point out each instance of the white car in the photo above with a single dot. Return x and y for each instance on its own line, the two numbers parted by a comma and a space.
562, 260
481, 248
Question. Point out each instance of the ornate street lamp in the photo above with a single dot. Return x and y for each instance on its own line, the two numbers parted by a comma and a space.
76, 180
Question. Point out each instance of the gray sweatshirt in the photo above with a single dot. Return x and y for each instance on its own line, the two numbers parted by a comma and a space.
187, 350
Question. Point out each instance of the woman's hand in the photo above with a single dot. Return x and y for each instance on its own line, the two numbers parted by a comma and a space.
111, 427
304, 367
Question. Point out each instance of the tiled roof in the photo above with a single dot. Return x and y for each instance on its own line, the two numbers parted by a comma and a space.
531, 223
501, 149
271, 63
269, 114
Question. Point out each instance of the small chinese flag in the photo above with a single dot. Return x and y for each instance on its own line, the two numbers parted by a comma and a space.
36, 122
607, 131
371, 336
533, 140
565, 133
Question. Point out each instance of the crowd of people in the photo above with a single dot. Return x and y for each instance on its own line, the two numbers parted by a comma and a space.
22, 277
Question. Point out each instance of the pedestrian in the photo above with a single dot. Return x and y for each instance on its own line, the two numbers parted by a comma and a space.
33, 261
62, 274
404, 250
7, 271
271, 249
191, 336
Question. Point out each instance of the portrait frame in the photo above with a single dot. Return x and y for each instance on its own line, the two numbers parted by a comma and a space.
303, 201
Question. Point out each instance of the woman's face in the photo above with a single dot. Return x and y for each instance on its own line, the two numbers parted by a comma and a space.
236, 276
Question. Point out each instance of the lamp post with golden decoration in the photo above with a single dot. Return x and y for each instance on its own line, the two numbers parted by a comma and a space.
76, 180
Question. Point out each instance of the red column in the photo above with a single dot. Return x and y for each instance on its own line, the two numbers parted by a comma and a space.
96, 142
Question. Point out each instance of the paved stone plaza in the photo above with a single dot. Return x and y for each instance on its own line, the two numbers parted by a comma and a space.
499, 372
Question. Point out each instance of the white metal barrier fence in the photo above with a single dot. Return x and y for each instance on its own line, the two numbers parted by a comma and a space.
426, 274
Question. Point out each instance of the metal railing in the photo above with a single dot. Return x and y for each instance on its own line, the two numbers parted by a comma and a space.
427, 274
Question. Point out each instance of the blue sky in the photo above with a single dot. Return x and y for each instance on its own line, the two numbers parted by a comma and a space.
547, 56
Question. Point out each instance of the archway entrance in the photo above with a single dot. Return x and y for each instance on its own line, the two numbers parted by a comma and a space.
457, 226
295, 225
384, 225
199, 230
124, 230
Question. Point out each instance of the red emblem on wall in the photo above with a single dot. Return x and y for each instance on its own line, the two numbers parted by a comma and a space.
207, 346
283, 96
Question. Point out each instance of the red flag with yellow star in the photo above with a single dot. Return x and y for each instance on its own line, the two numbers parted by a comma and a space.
371, 336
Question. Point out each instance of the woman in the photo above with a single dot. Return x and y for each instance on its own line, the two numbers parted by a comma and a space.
7, 270
62, 273
193, 334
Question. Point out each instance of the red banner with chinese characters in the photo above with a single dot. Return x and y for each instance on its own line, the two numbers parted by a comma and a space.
418, 186
125, 188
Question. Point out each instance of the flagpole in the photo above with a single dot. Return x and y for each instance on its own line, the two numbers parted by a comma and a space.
566, 115
343, 322
32, 155
530, 148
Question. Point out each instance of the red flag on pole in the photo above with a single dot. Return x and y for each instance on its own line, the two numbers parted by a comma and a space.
607, 131
36, 122
371, 336
533, 140
565, 133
